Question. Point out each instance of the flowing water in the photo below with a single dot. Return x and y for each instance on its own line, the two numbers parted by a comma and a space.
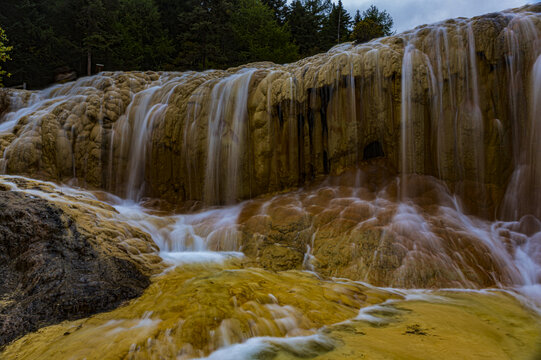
204, 255
346, 242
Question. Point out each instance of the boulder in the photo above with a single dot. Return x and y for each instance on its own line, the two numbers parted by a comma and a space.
61, 260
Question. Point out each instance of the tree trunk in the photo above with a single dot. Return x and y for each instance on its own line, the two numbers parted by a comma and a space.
88, 62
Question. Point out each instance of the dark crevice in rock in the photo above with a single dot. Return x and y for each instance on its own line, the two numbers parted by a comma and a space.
373, 150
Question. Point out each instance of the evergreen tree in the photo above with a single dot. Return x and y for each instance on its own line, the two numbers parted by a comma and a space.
306, 19
357, 17
373, 24
259, 35
158, 34
279, 8
169, 11
138, 40
92, 21
206, 43
34, 42
337, 26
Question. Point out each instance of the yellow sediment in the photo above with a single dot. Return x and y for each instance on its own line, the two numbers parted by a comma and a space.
193, 310
467, 326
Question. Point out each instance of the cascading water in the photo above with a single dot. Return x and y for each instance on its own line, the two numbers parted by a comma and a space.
135, 129
450, 110
228, 116
190, 136
523, 195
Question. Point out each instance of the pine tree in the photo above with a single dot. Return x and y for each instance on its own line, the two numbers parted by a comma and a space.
373, 24
206, 41
306, 20
337, 26
156, 34
279, 8
92, 26
259, 36
357, 17
139, 40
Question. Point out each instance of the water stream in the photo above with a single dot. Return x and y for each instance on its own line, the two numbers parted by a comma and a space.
267, 178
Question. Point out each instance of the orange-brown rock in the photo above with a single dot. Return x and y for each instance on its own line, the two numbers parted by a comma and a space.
196, 309
375, 234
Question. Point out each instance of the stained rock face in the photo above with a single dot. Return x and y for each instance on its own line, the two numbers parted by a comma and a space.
451, 100
362, 226
60, 260
397, 127
466, 325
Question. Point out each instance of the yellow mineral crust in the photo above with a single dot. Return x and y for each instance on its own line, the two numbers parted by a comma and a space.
194, 310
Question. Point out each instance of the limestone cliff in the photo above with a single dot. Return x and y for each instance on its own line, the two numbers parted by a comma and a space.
454, 100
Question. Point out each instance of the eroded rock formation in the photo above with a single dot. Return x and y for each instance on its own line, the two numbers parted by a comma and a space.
194, 310
359, 226
452, 100
449, 110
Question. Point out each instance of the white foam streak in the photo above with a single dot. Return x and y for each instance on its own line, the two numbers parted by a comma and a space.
260, 347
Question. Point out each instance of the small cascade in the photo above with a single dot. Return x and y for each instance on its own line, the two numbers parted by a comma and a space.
20, 107
274, 209
434, 101
458, 101
407, 137
135, 131
62, 120
523, 194
227, 137
207, 236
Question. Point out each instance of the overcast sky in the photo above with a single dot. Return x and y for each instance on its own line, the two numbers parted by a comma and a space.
407, 14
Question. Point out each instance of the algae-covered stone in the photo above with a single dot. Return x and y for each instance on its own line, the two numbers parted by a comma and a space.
386, 234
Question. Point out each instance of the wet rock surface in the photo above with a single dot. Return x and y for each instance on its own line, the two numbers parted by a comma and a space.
231, 312
407, 146
448, 100
451, 326
52, 269
194, 310
363, 226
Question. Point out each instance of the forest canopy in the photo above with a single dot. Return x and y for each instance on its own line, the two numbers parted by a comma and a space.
79, 37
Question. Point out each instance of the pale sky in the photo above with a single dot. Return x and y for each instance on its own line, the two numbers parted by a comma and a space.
407, 14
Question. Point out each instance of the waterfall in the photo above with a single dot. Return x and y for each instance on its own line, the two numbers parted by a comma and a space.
135, 130
523, 194
265, 198
438, 100
524, 191
227, 131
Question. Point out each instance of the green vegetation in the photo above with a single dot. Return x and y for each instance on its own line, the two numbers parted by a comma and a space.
4, 53
72, 36
372, 24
